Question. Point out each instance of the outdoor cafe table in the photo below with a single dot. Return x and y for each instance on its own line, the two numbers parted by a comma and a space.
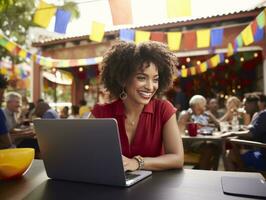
217, 137
171, 184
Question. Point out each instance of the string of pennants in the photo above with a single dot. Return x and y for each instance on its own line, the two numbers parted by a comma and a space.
254, 32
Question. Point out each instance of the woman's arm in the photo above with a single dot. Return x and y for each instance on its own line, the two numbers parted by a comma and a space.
173, 147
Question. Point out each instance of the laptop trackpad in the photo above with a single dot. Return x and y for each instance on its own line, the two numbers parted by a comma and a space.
244, 186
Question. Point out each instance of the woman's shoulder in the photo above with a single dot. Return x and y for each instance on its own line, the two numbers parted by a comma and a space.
106, 105
100, 110
163, 105
162, 102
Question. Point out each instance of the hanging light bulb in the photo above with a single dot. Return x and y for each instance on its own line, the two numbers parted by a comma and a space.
239, 86
233, 90
53, 70
226, 96
242, 59
188, 59
183, 67
86, 87
80, 69
226, 60
256, 55
198, 62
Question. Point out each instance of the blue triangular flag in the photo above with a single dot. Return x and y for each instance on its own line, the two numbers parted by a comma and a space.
216, 37
259, 34
127, 35
221, 57
62, 19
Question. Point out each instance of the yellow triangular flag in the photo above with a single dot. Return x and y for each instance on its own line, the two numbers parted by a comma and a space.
22, 53
3, 70
203, 67
97, 32
184, 73
142, 36
247, 35
230, 50
193, 70
203, 38
178, 8
44, 14
215, 60
174, 40
10, 46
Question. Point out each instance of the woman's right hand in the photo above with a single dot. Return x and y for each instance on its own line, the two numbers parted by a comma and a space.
130, 164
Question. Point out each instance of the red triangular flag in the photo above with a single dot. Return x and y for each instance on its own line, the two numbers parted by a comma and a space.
189, 40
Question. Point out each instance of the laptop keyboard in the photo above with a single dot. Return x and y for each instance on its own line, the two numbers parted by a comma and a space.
130, 176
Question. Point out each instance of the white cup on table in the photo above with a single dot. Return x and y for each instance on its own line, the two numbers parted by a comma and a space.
224, 126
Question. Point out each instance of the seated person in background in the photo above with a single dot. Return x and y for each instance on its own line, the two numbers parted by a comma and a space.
209, 151
74, 112
250, 103
13, 104
213, 108
196, 113
44, 111
233, 107
64, 112
134, 75
5, 140
261, 105
17, 132
252, 159
84, 110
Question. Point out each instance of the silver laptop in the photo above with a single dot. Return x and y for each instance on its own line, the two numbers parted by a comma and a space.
85, 150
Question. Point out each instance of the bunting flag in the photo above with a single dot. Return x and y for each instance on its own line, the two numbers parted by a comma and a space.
142, 36
192, 71
230, 50
121, 12
158, 36
44, 14
127, 35
259, 34
247, 36
174, 40
184, 73
178, 8
203, 67
221, 55
22, 53
217, 37
61, 22
215, 60
97, 31
189, 40
203, 38
261, 19
239, 41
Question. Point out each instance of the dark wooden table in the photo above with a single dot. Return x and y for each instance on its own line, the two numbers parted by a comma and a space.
173, 184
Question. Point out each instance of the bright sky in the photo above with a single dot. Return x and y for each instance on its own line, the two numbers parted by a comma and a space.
149, 11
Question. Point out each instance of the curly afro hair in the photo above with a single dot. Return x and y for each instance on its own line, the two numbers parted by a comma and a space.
124, 59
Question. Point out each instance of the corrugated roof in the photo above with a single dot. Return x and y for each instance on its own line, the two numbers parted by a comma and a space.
113, 29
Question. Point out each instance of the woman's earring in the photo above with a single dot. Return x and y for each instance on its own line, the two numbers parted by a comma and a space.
123, 95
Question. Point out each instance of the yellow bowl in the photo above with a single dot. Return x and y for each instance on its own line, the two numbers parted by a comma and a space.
15, 162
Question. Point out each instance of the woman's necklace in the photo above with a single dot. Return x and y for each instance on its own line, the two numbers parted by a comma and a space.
130, 122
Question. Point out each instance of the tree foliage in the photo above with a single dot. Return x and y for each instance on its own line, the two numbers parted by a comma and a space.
17, 17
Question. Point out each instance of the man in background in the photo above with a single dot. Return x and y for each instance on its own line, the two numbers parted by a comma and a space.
12, 109
5, 141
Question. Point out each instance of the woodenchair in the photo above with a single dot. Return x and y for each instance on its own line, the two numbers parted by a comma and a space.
249, 144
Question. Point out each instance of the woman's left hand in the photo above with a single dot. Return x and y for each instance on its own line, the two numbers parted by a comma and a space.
130, 164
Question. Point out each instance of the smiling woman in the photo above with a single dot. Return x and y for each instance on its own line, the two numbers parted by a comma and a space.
135, 76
